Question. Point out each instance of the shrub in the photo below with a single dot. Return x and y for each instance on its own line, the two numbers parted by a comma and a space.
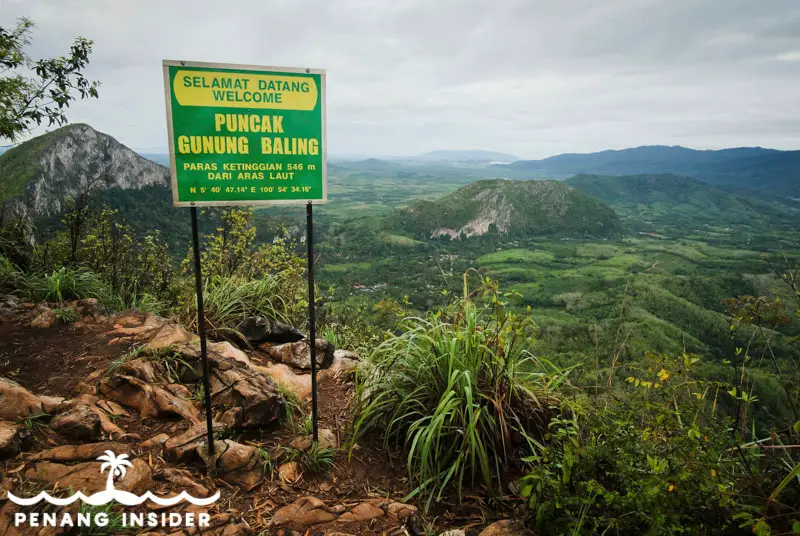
146, 303
458, 392
655, 458
245, 279
139, 269
350, 324
16, 244
65, 315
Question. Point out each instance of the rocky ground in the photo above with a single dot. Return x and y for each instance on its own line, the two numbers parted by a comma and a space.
130, 383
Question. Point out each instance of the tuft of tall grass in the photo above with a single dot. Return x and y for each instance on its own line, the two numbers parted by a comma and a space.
315, 460
146, 303
65, 315
67, 283
10, 274
296, 414
229, 300
459, 393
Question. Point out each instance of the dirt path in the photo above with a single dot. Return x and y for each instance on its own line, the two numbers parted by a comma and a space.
67, 360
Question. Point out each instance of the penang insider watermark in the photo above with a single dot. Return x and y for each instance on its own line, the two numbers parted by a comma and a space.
117, 467
102, 519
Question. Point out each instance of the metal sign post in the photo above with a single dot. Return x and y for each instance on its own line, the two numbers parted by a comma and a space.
246, 135
312, 320
201, 330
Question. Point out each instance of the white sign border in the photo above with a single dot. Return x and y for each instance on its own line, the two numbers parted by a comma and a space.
166, 64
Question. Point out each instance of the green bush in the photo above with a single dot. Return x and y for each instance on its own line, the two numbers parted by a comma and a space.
137, 268
458, 392
244, 278
146, 303
655, 458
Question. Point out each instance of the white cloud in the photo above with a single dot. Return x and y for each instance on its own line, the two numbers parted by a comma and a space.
406, 76
794, 55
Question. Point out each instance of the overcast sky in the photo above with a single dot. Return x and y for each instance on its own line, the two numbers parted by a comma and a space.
529, 77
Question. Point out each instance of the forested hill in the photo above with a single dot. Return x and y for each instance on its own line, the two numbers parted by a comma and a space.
508, 207
679, 200
769, 170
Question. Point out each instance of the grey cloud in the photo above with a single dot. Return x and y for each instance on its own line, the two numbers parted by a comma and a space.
405, 76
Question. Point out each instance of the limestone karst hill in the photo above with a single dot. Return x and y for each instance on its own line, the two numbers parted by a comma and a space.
515, 208
38, 176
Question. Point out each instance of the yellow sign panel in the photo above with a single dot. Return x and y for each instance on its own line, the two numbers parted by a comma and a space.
244, 90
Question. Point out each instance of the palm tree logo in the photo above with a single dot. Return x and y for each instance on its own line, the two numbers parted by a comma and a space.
116, 466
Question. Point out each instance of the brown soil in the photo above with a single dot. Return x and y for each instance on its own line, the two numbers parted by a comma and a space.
54, 361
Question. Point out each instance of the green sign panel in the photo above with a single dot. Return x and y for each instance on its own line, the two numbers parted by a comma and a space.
245, 135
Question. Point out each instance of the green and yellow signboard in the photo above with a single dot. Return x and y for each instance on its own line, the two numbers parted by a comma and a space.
245, 135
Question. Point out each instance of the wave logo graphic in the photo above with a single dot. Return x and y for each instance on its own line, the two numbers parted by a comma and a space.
117, 467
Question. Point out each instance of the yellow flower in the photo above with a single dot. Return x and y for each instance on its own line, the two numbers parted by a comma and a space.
713, 473
663, 375
671, 488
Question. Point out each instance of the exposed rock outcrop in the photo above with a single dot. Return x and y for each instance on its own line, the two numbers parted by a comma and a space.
505, 527
259, 329
137, 384
344, 360
43, 318
298, 354
253, 398
12, 437
17, 402
79, 423
86, 477
78, 453
234, 463
68, 163
309, 510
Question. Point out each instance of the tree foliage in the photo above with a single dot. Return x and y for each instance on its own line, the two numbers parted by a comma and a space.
34, 91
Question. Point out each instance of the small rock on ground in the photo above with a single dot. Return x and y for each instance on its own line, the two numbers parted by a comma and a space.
17, 402
505, 527
298, 354
11, 438
290, 472
44, 317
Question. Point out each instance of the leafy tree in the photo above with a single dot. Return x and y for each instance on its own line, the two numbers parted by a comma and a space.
28, 99
132, 266
234, 251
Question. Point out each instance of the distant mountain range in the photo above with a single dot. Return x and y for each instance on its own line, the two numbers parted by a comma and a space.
767, 170
468, 156
770, 172
36, 177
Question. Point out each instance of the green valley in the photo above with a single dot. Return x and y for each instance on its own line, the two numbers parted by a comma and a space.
609, 281
455, 269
